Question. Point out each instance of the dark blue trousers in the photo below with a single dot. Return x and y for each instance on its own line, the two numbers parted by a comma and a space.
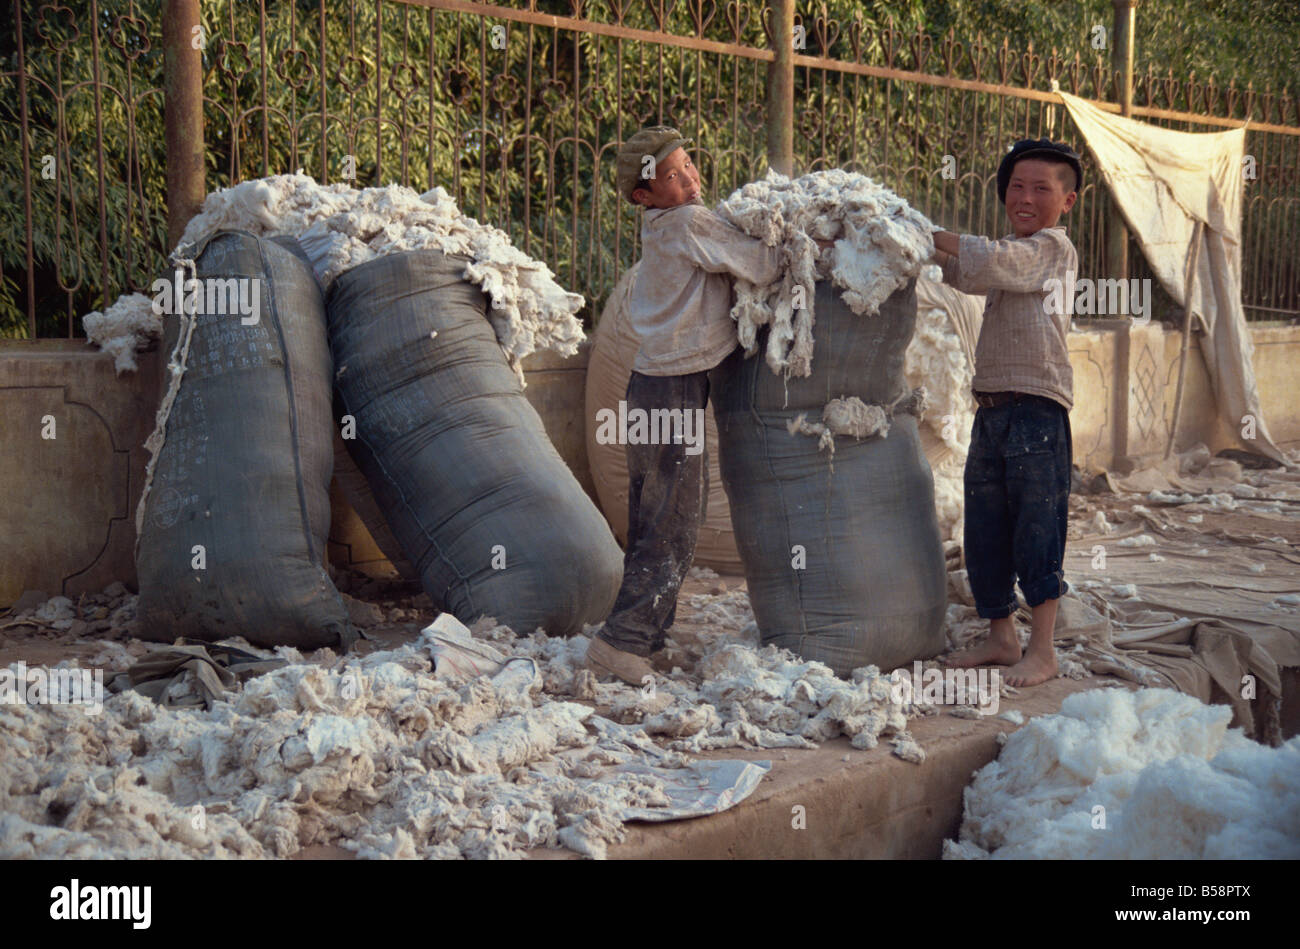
1017, 503
667, 502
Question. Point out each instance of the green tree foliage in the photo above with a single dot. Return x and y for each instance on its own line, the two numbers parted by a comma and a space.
520, 123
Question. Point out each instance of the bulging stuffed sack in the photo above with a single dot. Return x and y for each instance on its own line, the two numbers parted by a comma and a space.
483, 507
235, 513
842, 552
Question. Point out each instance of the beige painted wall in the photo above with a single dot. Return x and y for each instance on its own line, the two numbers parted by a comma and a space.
67, 503
1111, 421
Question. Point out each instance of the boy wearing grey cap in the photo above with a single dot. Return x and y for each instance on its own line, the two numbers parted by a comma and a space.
1017, 477
680, 307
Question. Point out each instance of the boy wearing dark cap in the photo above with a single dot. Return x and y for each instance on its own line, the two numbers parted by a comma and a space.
680, 306
1017, 477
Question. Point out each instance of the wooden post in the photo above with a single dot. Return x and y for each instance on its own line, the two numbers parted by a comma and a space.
780, 90
1122, 64
183, 114
1189, 285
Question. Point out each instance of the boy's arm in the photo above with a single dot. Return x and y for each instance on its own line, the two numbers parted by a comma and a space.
715, 246
977, 265
946, 246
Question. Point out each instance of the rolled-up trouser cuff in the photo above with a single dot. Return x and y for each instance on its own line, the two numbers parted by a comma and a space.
1045, 588
995, 612
637, 645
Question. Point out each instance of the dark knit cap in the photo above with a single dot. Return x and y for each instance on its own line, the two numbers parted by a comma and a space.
1037, 148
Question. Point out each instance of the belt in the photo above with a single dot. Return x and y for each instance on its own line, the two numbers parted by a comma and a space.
991, 400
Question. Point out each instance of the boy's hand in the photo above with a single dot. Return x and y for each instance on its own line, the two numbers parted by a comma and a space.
947, 242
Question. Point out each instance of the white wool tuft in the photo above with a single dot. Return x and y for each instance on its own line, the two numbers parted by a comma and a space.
1173, 781
880, 243
126, 326
935, 358
850, 416
340, 227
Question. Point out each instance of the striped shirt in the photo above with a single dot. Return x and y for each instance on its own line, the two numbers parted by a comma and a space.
1022, 343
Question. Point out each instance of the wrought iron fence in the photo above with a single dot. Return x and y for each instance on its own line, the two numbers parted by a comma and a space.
932, 116
82, 208
518, 113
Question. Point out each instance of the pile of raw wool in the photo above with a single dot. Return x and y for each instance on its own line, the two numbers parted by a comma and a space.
340, 226
1152, 774
387, 757
881, 242
376, 756
737, 695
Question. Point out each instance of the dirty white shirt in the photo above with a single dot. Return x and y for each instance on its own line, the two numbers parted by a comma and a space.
680, 302
1022, 346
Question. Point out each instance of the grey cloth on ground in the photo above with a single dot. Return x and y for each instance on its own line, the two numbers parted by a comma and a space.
216, 669
842, 556
484, 508
244, 469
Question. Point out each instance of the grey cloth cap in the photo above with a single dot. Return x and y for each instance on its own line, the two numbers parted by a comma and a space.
658, 142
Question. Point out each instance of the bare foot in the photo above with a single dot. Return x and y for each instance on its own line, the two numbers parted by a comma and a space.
991, 652
1037, 666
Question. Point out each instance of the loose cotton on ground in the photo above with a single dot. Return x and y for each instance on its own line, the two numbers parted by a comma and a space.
1170, 779
385, 757
937, 360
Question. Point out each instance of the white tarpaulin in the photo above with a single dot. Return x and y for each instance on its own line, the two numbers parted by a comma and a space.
1164, 182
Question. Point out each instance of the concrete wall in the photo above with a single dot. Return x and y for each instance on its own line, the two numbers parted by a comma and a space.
67, 509
67, 504
1126, 383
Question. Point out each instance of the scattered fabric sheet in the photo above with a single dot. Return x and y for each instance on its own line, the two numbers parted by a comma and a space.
881, 242
340, 226
1149, 775
1158, 600
212, 671
1194, 473
1177, 607
699, 789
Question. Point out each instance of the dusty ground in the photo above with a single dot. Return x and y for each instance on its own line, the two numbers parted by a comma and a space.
849, 790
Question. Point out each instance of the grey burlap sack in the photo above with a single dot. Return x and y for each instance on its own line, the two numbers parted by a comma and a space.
484, 508
842, 553
234, 519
